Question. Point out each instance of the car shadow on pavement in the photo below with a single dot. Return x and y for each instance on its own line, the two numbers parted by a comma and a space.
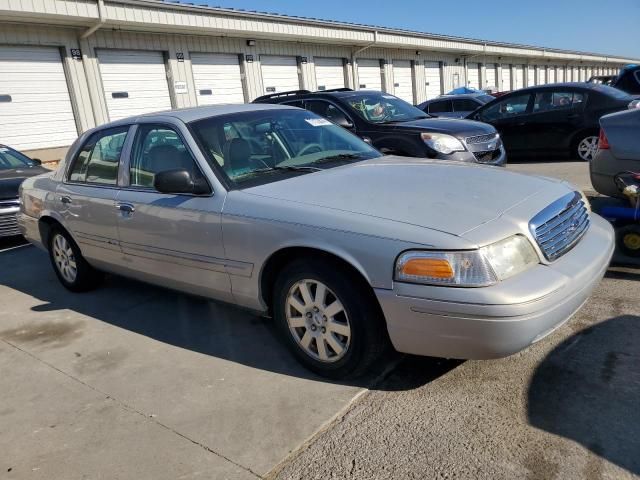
588, 390
184, 321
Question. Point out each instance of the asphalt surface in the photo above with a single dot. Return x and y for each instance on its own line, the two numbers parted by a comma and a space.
133, 381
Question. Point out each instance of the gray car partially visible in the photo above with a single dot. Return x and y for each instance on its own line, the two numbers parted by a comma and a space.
618, 151
278, 210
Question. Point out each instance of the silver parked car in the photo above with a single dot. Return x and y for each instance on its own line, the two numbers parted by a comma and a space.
278, 210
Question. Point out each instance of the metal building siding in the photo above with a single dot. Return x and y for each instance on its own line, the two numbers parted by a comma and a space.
453, 76
38, 113
134, 82
329, 72
217, 78
433, 79
403, 80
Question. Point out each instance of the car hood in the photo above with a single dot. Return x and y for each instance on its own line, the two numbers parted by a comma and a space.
450, 197
452, 126
10, 179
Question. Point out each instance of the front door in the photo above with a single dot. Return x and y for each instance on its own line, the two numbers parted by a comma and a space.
509, 115
86, 198
170, 239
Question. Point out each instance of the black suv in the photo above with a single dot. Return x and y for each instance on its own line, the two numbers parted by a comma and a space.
395, 127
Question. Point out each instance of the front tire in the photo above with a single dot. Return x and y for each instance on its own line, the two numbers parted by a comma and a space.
71, 268
328, 318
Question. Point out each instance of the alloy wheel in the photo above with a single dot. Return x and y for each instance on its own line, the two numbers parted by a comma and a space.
64, 258
318, 321
587, 148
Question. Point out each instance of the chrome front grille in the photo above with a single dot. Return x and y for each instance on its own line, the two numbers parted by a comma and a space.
481, 138
9, 217
487, 156
560, 226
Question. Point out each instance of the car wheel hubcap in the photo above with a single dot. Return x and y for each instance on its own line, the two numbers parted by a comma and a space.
64, 259
632, 241
587, 148
318, 321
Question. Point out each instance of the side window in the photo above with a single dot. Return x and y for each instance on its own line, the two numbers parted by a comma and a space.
158, 149
464, 105
440, 106
98, 160
509, 107
328, 111
318, 107
551, 101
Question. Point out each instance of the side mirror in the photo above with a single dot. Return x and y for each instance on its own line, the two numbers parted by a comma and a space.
179, 181
37, 161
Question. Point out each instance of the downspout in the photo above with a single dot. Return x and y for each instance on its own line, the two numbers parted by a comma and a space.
101, 21
354, 74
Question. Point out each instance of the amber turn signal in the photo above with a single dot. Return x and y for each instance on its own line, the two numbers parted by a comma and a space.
428, 267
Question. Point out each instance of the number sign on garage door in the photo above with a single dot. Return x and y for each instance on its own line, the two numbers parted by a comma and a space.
329, 73
432, 79
279, 74
369, 75
403, 80
473, 75
217, 78
35, 107
134, 82
491, 81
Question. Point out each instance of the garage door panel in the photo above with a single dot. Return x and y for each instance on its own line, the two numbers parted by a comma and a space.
491, 76
329, 73
39, 113
506, 77
403, 80
279, 74
519, 77
217, 78
369, 75
473, 76
141, 74
432, 79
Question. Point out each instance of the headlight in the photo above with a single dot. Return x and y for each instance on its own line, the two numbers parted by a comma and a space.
472, 268
442, 143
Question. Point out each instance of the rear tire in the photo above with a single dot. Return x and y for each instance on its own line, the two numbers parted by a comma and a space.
629, 240
70, 267
585, 146
328, 318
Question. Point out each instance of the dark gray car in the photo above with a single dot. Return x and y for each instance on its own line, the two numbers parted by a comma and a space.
455, 106
618, 151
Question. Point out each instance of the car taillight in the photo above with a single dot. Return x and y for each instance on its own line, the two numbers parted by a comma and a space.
603, 143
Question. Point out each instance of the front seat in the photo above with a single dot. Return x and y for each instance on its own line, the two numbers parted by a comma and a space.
237, 154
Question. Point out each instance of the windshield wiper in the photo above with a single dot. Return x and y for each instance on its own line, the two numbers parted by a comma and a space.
296, 168
339, 156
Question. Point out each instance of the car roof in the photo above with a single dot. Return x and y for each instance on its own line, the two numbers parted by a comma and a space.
583, 85
193, 114
458, 95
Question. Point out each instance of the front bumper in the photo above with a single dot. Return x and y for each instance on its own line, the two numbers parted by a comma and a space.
500, 159
497, 321
9, 209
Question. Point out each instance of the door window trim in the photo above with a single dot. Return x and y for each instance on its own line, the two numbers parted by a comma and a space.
128, 152
69, 168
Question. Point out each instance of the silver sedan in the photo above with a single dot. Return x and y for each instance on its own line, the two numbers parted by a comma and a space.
278, 210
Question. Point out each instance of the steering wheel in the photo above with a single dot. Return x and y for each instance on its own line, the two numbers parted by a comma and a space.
306, 149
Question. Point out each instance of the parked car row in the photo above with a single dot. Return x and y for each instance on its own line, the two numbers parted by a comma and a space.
280, 210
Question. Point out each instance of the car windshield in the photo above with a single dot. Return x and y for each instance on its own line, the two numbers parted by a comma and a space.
9, 158
383, 108
256, 147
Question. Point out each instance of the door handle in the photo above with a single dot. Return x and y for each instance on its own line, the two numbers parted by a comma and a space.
125, 208
65, 199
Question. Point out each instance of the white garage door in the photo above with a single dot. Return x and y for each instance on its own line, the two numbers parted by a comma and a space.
506, 77
519, 80
134, 82
279, 74
369, 76
329, 73
542, 75
403, 80
531, 75
560, 74
35, 108
551, 75
491, 81
432, 79
217, 78
473, 75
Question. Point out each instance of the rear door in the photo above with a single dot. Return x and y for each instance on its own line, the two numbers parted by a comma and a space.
86, 198
555, 117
